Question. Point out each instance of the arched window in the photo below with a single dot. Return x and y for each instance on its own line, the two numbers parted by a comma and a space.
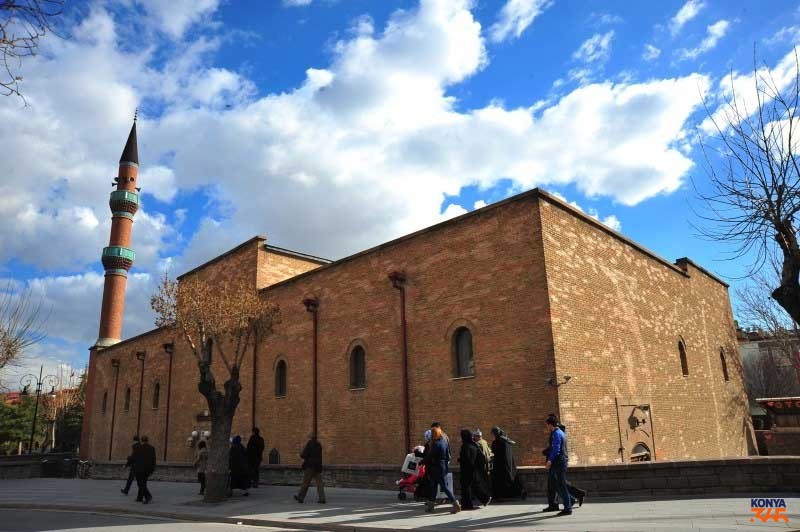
684, 361
156, 395
724, 364
358, 368
127, 405
463, 363
274, 456
280, 379
105, 403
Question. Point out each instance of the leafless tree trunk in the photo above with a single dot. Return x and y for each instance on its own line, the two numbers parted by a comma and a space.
216, 320
755, 180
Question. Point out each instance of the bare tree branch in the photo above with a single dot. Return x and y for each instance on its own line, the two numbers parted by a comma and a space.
752, 166
22, 24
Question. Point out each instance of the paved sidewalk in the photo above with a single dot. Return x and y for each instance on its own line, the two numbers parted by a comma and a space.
350, 509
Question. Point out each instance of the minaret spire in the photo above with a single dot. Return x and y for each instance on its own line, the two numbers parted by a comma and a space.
118, 256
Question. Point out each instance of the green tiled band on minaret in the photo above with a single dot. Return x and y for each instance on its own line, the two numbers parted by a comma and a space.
123, 200
118, 257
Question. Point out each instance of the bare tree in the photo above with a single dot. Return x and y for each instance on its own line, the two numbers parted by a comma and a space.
771, 369
21, 323
755, 179
64, 395
22, 24
215, 319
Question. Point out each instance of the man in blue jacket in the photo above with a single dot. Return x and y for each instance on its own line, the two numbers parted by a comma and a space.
556, 465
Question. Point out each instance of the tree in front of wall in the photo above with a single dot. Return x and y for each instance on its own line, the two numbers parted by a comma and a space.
219, 321
15, 426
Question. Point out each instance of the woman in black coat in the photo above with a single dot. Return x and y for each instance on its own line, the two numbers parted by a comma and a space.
505, 482
237, 461
473, 472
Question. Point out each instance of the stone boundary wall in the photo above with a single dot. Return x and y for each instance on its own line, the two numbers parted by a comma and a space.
34, 466
663, 478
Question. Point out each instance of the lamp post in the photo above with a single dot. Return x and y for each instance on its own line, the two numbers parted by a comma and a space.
26, 382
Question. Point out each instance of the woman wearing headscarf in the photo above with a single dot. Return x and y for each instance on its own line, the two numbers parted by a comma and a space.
438, 458
505, 482
237, 461
473, 472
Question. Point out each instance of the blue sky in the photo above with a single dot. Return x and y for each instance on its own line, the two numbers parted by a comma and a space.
334, 125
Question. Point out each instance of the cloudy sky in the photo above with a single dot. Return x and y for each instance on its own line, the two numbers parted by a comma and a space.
334, 125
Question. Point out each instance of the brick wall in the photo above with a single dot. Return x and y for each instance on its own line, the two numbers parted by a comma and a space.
618, 314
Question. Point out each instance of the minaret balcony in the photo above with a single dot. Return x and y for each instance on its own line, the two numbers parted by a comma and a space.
118, 258
124, 201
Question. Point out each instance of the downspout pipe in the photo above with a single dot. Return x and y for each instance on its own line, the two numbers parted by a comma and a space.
399, 282
140, 355
115, 365
169, 349
312, 306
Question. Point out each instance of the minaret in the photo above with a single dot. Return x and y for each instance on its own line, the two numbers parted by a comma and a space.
118, 256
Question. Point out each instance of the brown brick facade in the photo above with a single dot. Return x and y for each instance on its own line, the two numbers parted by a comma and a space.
545, 292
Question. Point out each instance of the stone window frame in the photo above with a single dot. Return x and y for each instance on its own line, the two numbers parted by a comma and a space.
723, 360
156, 398
358, 342
126, 405
684, 357
104, 404
280, 359
450, 337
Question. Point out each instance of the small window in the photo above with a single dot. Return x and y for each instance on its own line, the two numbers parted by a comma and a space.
724, 364
127, 400
105, 403
464, 364
684, 361
274, 456
156, 395
358, 368
280, 379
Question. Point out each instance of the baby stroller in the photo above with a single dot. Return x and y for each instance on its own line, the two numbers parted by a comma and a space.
413, 476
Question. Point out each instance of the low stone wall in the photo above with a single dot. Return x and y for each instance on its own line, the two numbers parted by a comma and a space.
754, 475
37, 465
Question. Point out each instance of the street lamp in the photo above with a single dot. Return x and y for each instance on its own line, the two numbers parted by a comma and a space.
26, 382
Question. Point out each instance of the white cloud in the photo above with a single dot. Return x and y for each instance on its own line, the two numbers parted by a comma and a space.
175, 16
687, 12
611, 220
650, 52
296, 3
714, 33
594, 49
479, 204
515, 17
787, 34
740, 86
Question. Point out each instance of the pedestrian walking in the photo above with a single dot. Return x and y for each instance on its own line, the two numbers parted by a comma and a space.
439, 458
312, 470
473, 472
239, 472
505, 482
129, 465
200, 464
144, 463
577, 494
255, 453
486, 450
557, 460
